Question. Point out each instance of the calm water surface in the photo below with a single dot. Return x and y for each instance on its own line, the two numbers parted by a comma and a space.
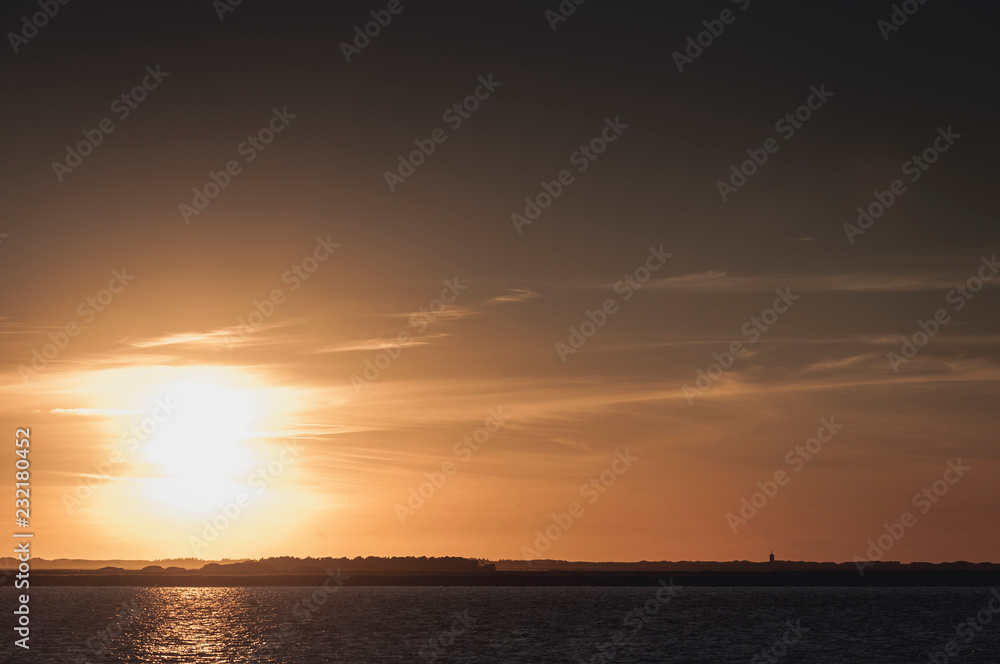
360, 625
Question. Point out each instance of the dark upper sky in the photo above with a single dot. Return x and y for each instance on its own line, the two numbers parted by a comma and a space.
656, 184
605, 59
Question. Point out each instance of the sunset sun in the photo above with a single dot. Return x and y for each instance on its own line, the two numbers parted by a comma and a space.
203, 444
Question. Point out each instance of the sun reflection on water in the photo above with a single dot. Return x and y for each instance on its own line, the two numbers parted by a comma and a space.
200, 625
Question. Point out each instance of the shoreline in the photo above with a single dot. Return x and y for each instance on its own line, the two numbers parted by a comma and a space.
828, 578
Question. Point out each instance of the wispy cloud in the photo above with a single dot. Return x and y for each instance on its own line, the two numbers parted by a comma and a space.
719, 281
459, 312
376, 344
11, 327
422, 319
219, 339
94, 412
514, 295
212, 338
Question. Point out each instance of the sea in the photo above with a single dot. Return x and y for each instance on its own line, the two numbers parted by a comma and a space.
666, 623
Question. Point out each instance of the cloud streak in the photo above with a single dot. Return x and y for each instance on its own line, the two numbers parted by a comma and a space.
720, 281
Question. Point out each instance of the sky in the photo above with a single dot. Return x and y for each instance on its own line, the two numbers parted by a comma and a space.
501, 281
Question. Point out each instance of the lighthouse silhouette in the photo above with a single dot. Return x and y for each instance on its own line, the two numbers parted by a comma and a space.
772, 557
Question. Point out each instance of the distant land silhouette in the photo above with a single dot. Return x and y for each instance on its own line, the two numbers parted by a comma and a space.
457, 571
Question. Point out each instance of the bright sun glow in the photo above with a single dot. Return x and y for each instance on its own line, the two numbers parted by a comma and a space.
201, 451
